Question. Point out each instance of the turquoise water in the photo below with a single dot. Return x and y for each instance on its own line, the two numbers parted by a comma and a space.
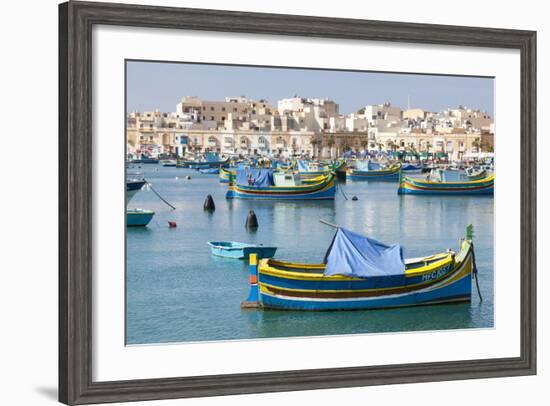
177, 291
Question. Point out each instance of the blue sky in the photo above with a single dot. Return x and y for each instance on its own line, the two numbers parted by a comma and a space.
161, 85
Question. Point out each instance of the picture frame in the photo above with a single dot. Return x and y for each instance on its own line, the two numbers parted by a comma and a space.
76, 20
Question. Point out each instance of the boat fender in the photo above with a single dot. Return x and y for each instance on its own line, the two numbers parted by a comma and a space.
209, 204
251, 220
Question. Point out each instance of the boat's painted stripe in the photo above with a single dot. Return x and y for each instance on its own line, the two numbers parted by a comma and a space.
270, 268
444, 187
489, 179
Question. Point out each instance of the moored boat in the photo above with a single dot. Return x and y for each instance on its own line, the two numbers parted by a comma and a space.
308, 170
409, 185
361, 273
410, 168
210, 171
169, 162
138, 217
475, 173
391, 173
270, 185
145, 159
240, 250
132, 187
225, 174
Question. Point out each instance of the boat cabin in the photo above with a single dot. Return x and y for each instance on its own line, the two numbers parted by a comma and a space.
285, 179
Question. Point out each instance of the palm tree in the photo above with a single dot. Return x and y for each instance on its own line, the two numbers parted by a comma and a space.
392, 145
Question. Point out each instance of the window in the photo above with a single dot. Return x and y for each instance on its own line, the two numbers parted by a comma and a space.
223, 108
212, 118
223, 118
235, 109
212, 108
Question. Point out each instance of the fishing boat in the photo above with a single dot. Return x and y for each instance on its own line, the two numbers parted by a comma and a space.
312, 169
434, 186
210, 160
339, 168
133, 186
138, 217
210, 171
267, 184
145, 159
169, 162
361, 273
240, 250
410, 168
391, 173
475, 173
225, 174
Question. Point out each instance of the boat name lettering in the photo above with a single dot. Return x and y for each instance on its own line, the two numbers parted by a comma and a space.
435, 274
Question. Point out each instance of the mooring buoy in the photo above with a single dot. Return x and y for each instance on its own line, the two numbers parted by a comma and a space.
172, 224
209, 204
354, 198
251, 220
188, 177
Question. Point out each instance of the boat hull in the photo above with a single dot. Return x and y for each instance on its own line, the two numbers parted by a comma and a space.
132, 187
419, 187
242, 252
322, 191
138, 218
391, 174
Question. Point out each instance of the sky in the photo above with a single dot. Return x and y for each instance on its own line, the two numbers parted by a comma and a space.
161, 85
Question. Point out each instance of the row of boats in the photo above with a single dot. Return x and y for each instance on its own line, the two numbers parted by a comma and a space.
317, 182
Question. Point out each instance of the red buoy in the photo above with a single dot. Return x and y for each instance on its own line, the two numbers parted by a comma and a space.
172, 224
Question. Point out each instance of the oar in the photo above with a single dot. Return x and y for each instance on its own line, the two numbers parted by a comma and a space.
328, 224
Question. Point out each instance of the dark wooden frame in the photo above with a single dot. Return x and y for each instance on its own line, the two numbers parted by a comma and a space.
75, 191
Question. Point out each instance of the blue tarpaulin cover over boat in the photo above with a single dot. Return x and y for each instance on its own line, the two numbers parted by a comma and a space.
355, 255
302, 166
255, 177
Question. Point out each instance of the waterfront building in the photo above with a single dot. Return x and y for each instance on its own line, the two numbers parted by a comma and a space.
307, 127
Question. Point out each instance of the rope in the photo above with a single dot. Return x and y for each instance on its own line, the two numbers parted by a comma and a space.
342, 191
158, 195
475, 273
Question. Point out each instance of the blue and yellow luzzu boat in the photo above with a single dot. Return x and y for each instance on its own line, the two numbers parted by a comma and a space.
361, 273
309, 170
225, 174
408, 185
269, 185
391, 174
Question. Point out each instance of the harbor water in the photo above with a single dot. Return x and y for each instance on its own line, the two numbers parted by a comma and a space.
178, 292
